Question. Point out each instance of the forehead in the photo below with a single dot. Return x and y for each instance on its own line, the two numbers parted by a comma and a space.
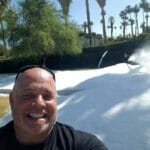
34, 74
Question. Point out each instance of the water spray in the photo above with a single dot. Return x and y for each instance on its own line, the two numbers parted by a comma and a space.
101, 58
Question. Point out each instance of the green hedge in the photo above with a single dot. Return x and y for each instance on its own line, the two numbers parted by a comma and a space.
11, 65
88, 59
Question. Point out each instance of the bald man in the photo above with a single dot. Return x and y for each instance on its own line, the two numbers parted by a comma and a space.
33, 103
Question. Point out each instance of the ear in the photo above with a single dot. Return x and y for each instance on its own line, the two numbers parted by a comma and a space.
11, 100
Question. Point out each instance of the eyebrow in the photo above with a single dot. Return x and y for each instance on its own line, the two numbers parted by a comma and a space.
27, 67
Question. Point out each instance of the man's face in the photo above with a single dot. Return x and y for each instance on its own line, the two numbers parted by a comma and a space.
34, 103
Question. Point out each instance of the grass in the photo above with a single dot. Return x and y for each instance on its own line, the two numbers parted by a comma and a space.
4, 105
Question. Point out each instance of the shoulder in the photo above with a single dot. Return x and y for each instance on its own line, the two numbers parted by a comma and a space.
6, 128
5, 133
90, 141
64, 127
83, 140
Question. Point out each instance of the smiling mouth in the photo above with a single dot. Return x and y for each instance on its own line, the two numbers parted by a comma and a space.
36, 116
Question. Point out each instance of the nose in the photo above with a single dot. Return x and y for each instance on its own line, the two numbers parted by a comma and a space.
39, 102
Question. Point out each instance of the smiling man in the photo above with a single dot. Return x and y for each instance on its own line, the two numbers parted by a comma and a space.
33, 103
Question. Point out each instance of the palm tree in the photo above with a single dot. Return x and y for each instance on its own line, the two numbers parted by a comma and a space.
136, 10
84, 25
147, 10
147, 18
131, 23
124, 23
111, 21
129, 11
143, 5
115, 30
102, 5
88, 21
65, 5
108, 27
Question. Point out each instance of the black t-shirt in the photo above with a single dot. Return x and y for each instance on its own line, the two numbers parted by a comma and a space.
62, 137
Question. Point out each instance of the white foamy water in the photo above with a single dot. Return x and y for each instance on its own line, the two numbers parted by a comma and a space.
142, 57
113, 103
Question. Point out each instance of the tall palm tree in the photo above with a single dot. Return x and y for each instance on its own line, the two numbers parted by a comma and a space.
65, 5
124, 23
143, 5
147, 10
129, 10
147, 18
131, 24
88, 21
136, 10
115, 27
84, 25
111, 20
102, 3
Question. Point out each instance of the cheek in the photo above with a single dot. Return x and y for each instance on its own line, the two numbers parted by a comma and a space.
52, 106
17, 111
19, 106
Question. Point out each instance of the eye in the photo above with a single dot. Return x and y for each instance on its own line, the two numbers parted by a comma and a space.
29, 96
47, 97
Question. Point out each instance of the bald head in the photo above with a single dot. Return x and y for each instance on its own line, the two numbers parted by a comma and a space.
27, 67
35, 74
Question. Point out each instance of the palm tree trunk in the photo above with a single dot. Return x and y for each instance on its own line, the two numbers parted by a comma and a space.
88, 21
143, 21
132, 30
137, 25
147, 16
104, 26
112, 29
124, 31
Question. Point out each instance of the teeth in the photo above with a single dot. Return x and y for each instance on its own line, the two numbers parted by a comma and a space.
36, 115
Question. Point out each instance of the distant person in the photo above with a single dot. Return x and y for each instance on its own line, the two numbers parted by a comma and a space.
33, 103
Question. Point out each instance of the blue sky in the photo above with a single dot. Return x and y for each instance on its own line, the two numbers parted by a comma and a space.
112, 8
